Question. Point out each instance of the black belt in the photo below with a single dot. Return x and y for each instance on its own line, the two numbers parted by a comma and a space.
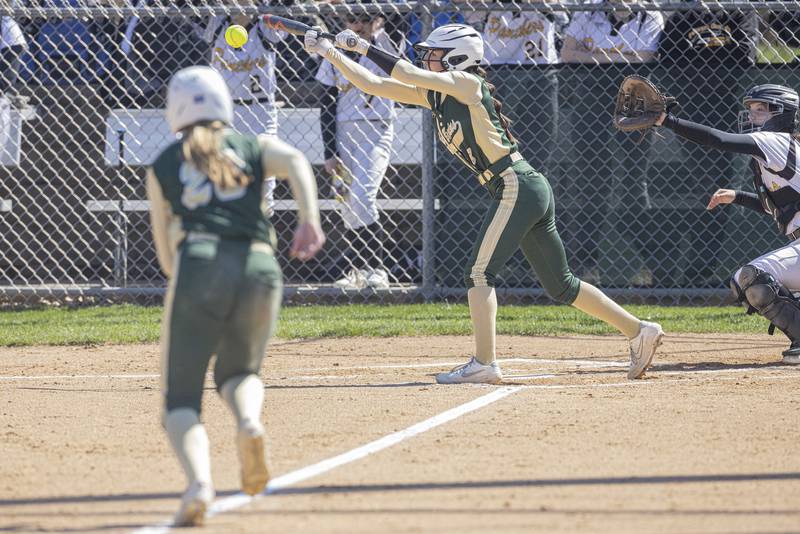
794, 236
250, 101
497, 167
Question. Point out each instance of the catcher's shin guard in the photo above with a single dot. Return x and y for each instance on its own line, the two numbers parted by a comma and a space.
772, 301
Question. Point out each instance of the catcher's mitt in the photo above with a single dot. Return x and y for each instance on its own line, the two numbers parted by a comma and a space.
639, 104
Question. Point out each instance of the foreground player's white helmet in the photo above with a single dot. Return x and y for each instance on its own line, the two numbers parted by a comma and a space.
463, 46
197, 94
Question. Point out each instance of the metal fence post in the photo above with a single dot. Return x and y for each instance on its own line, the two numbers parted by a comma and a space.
121, 224
428, 192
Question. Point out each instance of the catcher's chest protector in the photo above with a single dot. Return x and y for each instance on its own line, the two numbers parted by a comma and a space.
777, 178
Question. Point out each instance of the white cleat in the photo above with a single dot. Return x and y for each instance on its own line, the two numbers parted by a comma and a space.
472, 372
792, 354
194, 504
643, 348
377, 279
353, 279
252, 457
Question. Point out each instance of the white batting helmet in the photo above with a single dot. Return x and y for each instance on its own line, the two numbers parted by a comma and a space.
197, 94
463, 46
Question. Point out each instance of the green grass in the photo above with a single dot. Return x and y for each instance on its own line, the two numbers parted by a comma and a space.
135, 324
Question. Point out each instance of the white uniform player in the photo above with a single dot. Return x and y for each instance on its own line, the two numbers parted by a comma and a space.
364, 126
249, 72
619, 36
12, 42
518, 37
769, 126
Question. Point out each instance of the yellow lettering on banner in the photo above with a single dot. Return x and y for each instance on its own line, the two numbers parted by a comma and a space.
716, 35
529, 27
245, 65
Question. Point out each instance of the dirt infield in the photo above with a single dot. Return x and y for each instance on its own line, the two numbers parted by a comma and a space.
706, 443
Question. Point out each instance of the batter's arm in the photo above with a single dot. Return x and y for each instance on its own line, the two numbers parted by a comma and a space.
160, 220
376, 85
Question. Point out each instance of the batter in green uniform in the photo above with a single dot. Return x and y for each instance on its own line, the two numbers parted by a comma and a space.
216, 245
469, 123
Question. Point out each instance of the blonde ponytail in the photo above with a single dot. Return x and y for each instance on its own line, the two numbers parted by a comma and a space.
202, 144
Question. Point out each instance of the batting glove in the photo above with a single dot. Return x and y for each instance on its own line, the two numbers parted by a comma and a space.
314, 44
349, 40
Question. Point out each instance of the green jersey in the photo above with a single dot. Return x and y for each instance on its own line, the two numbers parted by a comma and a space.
474, 134
238, 212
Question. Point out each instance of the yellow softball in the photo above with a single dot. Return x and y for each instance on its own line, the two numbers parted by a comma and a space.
236, 36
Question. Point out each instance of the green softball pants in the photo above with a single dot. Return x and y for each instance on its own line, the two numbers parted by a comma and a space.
224, 299
522, 214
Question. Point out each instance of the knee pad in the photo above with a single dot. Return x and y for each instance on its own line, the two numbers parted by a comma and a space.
760, 288
738, 294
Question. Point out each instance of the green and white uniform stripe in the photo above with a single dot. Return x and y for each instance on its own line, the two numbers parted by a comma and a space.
522, 213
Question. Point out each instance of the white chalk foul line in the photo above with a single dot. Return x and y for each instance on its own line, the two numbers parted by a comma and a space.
76, 377
237, 501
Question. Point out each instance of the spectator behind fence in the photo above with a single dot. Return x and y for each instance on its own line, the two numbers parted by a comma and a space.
158, 47
62, 48
706, 53
619, 36
447, 15
12, 45
514, 38
604, 179
358, 131
249, 72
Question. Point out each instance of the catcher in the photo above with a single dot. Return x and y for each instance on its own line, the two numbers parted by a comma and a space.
769, 133
522, 214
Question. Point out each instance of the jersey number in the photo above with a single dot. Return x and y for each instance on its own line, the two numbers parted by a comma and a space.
535, 50
255, 84
198, 189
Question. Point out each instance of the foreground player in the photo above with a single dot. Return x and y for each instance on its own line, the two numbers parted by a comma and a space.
769, 133
216, 245
470, 125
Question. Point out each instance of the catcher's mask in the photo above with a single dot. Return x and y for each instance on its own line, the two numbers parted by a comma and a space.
462, 45
783, 114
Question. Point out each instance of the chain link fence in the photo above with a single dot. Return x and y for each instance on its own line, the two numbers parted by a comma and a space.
81, 116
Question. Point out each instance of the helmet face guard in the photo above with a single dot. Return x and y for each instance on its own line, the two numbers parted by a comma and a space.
755, 121
781, 115
447, 62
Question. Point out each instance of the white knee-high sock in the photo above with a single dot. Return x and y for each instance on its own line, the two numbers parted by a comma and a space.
244, 395
190, 443
594, 302
483, 311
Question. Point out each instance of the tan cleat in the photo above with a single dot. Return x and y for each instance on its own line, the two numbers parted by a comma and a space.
252, 456
194, 505
643, 348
